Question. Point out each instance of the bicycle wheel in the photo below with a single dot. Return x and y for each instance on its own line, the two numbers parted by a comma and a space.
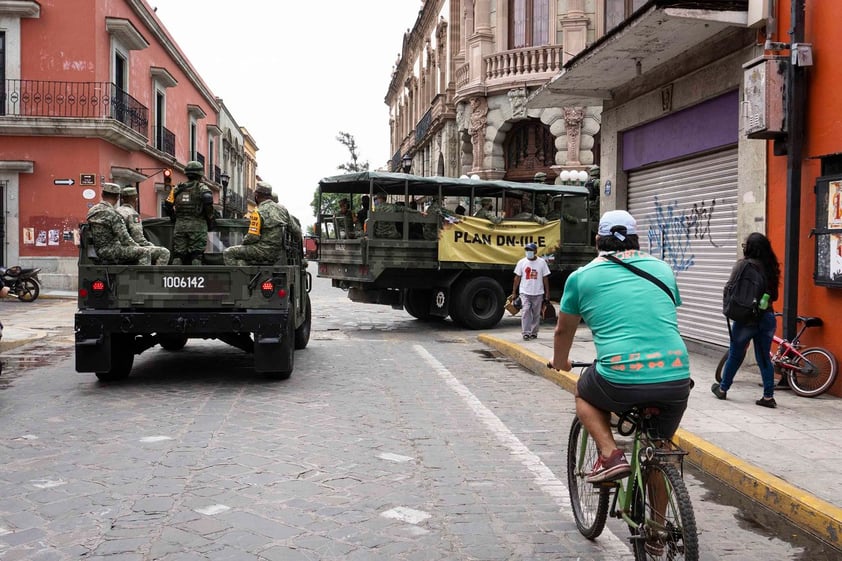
589, 501
720, 367
815, 378
665, 532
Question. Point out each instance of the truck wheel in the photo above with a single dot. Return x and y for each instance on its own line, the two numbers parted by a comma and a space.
172, 342
122, 359
302, 333
479, 303
416, 302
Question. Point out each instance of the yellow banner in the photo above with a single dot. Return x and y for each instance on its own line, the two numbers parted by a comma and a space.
477, 240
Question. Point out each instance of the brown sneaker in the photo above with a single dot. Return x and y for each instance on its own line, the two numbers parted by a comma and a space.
612, 468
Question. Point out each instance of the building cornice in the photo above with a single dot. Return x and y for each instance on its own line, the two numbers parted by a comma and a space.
110, 130
126, 33
20, 166
20, 8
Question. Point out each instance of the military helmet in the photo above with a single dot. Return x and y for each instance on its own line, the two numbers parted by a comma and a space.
112, 188
263, 189
128, 191
486, 200
540, 177
194, 167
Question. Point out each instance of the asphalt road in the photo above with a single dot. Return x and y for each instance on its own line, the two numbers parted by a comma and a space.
393, 440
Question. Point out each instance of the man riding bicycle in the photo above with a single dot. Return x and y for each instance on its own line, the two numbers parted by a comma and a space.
641, 358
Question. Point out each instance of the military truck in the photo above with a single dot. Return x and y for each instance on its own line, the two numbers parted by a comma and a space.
126, 309
464, 270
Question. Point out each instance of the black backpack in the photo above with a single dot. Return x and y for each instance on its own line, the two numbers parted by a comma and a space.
741, 297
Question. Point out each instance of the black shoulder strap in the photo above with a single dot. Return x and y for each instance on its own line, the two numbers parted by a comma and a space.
642, 273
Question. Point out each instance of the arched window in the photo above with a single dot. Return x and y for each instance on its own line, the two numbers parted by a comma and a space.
529, 148
529, 23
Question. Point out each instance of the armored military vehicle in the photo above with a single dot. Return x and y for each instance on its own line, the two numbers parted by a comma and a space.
437, 264
127, 309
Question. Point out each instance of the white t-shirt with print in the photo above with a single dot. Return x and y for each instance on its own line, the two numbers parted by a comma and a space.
532, 273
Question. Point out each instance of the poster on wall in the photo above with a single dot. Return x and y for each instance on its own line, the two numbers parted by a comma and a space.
29, 236
41, 240
53, 237
835, 268
834, 204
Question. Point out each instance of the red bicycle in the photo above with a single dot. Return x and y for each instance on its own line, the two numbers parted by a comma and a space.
810, 372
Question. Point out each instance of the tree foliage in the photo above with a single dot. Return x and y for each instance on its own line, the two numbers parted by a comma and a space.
330, 201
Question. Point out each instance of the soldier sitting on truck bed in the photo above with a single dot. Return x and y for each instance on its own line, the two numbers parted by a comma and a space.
527, 214
112, 241
128, 210
388, 230
485, 211
264, 242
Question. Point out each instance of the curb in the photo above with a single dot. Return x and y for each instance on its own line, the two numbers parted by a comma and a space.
806, 511
11, 344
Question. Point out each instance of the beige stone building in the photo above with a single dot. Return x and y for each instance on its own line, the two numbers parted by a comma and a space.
458, 92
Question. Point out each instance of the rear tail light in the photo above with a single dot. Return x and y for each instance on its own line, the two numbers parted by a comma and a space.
98, 286
267, 288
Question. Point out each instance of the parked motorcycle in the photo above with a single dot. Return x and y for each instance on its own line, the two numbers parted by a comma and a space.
23, 283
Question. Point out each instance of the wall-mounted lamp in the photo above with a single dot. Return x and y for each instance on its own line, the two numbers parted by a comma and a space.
406, 163
224, 178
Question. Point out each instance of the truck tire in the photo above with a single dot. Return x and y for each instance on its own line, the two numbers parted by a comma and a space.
122, 359
479, 303
416, 302
170, 342
302, 333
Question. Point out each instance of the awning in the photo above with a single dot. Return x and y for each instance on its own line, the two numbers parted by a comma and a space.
657, 33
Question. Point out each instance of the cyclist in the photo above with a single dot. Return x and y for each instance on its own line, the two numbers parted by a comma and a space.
641, 358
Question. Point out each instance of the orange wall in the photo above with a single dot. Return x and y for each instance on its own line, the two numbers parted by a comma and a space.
823, 135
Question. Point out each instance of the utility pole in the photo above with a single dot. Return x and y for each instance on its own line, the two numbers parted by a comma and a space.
796, 107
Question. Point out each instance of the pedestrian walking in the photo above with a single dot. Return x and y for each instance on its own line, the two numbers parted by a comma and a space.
532, 280
757, 252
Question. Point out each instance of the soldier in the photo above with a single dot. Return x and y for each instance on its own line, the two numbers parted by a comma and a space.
264, 242
112, 241
485, 211
127, 209
556, 214
291, 222
190, 206
383, 229
527, 214
346, 218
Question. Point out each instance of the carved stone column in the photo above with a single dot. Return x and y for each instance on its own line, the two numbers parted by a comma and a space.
573, 117
574, 25
479, 120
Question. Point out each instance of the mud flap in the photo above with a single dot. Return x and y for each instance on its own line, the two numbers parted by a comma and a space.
93, 354
268, 353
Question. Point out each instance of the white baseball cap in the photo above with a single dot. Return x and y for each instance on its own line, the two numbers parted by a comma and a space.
617, 218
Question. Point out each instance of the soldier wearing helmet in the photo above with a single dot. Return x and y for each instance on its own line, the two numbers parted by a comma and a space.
190, 206
264, 242
112, 241
486, 211
128, 210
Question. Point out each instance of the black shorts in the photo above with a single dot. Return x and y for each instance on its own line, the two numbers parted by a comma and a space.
669, 397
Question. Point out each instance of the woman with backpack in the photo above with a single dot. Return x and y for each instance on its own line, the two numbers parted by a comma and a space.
758, 253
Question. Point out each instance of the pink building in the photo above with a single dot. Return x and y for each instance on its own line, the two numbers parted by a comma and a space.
108, 98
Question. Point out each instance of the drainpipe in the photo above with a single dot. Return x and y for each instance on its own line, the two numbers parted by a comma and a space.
796, 108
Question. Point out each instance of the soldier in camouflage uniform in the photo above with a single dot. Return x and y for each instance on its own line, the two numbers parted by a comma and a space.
190, 206
264, 242
383, 229
112, 241
485, 211
127, 209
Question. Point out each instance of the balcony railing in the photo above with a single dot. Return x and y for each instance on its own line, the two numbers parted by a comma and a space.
217, 174
83, 100
423, 125
523, 62
165, 140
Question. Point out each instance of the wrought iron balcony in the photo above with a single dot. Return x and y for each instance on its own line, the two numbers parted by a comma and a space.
83, 100
165, 140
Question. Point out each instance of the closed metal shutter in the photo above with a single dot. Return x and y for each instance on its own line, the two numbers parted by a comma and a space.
686, 214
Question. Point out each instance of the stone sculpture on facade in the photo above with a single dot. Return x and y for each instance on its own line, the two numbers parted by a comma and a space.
479, 118
573, 117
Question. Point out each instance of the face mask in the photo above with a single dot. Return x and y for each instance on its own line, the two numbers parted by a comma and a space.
530, 255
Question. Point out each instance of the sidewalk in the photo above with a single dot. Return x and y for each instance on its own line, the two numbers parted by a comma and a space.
786, 458
25, 322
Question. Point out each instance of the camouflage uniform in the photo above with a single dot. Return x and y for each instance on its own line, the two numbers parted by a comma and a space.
264, 243
528, 215
112, 241
431, 230
160, 255
486, 212
190, 205
388, 230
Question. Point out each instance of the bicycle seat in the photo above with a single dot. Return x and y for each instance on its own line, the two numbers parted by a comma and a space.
811, 321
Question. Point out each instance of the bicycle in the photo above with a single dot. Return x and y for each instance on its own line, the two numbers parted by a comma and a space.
810, 372
656, 471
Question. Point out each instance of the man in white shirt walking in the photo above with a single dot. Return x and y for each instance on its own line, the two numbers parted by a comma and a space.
532, 278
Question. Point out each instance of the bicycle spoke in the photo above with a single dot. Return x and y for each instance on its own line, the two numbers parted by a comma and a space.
589, 501
666, 523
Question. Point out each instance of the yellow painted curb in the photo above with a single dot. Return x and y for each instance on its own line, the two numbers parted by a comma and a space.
806, 511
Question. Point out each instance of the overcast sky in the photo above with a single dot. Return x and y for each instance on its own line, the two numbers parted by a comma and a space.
295, 74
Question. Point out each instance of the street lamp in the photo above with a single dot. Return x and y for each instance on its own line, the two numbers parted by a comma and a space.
224, 178
406, 163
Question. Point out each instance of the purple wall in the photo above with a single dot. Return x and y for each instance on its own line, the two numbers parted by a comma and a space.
708, 125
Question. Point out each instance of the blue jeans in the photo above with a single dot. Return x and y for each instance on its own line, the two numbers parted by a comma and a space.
741, 336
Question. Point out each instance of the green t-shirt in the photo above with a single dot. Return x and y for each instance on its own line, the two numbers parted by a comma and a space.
634, 323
